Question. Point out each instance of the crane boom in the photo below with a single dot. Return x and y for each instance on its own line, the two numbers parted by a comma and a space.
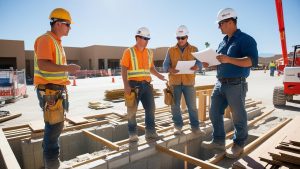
279, 11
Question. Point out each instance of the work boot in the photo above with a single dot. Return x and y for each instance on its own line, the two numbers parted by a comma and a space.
213, 145
56, 164
177, 130
152, 136
133, 138
235, 151
198, 131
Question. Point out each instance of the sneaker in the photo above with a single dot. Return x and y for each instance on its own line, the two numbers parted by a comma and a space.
152, 135
198, 131
235, 151
133, 138
213, 145
177, 130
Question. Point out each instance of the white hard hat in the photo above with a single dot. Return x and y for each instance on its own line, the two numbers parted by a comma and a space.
143, 31
225, 14
181, 31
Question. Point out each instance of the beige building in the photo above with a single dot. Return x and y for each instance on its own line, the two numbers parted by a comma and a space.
96, 57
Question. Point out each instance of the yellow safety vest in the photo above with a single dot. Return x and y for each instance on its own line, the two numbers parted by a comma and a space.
52, 77
136, 71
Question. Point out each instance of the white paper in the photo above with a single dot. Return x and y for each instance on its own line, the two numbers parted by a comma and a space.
184, 67
207, 55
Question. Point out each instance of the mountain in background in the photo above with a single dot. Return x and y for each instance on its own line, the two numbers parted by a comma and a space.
266, 55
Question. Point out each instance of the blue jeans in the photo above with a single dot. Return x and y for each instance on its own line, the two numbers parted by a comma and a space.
145, 95
272, 70
189, 94
232, 94
51, 135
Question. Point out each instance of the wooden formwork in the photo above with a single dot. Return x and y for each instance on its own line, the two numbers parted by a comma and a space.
164, 125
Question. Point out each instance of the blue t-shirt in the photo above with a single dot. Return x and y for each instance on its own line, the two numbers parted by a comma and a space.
238, 46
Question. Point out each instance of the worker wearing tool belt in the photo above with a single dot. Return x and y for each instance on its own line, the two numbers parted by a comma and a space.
237, 54
137, 64
50, 79
182, 83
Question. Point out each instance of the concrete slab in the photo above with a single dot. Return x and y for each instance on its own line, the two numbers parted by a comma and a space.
27, 152
98, 164
117, 160
143, 151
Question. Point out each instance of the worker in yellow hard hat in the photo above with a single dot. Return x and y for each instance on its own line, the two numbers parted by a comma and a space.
50, 79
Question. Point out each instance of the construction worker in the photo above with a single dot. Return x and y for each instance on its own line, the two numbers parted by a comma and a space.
50, 79
182, 83
272, 67
136, 66
237, 54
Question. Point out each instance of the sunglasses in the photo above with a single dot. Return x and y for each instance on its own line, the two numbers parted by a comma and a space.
66, 23
145, 38
224, 21
181, 38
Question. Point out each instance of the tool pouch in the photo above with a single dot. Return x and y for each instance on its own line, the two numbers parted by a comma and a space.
168, 93
54, 109
130, 99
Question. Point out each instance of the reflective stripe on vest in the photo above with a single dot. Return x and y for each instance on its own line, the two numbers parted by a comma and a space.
136, 72
62, 76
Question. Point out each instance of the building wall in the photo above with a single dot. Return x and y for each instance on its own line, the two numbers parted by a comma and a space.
13, 49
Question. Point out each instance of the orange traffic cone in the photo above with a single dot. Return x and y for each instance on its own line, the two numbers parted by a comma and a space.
113, 80
74, 81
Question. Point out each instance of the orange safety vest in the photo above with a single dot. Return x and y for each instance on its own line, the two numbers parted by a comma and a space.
60, 78
175, 56
136, 71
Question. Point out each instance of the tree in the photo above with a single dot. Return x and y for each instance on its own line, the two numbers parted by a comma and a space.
207, 44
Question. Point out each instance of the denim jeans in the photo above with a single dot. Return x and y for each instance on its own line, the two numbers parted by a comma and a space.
232, 94
189, 94
51, 135
145, 95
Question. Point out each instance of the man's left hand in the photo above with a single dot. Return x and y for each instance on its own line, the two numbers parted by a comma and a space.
195, 68
161, 77
223, 58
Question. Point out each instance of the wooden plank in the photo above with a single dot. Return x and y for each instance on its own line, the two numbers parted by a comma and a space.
7, 154
77, 127
201, 105
262, 149
77, 119
186, 157
101, 140
37, 126
9, 117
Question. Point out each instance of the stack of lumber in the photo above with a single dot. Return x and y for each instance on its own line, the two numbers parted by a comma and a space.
117, 95
285, 154
280, 150
98, 105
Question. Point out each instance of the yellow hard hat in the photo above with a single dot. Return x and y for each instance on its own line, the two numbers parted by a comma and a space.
60, 13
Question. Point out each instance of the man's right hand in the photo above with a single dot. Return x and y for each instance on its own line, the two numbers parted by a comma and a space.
127, 89
72, 68
205, 64
173, 71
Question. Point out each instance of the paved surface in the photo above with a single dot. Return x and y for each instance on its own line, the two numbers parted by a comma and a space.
260, 88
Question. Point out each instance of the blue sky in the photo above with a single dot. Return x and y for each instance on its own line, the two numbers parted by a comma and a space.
114, 22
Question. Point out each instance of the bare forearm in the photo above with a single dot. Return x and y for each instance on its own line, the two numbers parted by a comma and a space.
47, 65
242, 62
124, 75
154, 71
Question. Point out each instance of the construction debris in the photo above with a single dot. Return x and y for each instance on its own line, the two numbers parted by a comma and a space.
98, 105
6, 115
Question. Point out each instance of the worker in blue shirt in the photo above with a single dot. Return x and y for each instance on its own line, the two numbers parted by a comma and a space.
237, 54
182, 83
